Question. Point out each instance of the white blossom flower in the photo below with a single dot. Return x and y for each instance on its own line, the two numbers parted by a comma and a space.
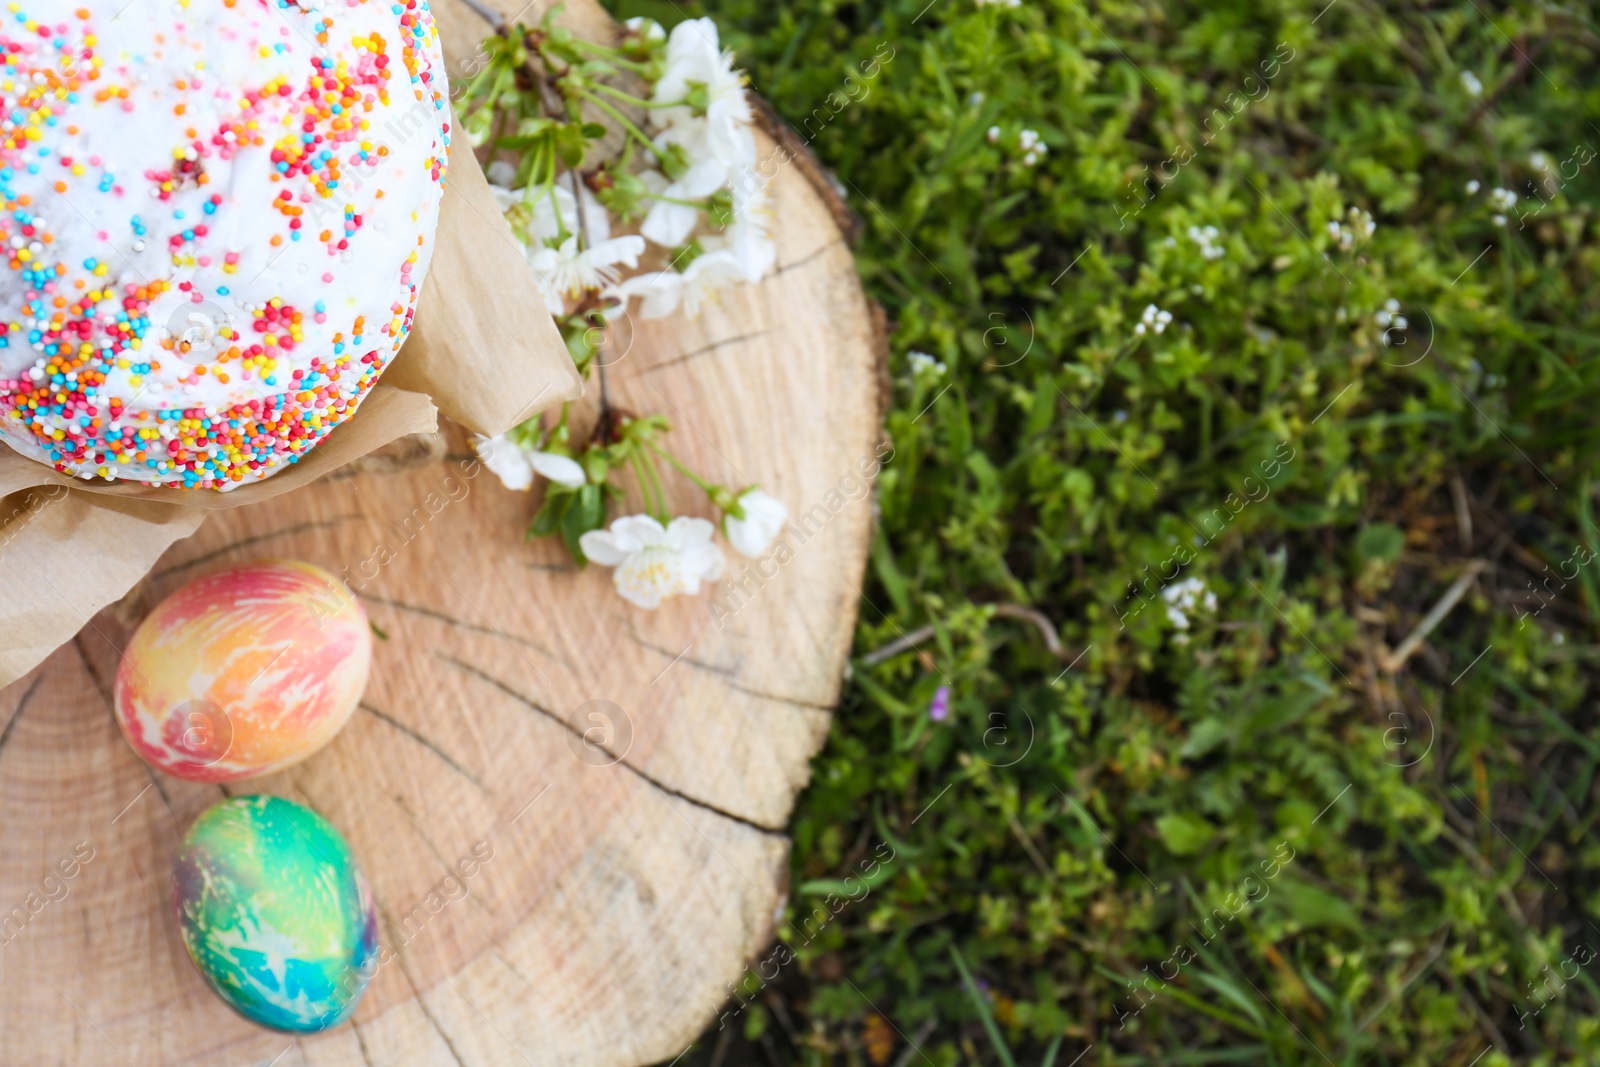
668, 223
1153, 318
764, 516
994, 135
695, 63
922, 363
1473, 186
535, 212
663, 291
748, 236
1502, 199
515, 464
1470, 82
501, 173
1539, 160
566, 271
647, 28
1183, 597
654, 562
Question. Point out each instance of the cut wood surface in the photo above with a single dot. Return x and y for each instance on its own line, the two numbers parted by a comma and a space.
624, 888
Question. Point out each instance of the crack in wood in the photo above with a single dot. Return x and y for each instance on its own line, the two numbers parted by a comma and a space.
729, 674
803, 260
422, 1006
450, 871
361, 1043
552, 568
675, 360
774, 831
319, 524
450, 620
22, 705
423, 741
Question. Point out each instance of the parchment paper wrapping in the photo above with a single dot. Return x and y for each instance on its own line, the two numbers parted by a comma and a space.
482, 348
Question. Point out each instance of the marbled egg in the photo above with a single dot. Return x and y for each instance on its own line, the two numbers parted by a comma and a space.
244, 671
275, 913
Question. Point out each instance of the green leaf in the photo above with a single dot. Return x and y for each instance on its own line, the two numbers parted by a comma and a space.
1315, 907
547, 520
1380, 542
981, 1003
588, 512
1247, 1003
1184, 834
1206, 735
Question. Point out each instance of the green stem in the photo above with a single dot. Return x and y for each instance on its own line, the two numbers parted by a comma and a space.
627, 124
612, 55
685, 471
644, 485
700, 205
627, 98
661, 492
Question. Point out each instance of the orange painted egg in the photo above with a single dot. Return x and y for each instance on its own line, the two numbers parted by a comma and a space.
244, 672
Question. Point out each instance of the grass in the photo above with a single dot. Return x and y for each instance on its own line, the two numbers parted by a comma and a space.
1252, 837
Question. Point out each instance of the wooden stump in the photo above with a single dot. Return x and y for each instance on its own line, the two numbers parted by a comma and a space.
624, 889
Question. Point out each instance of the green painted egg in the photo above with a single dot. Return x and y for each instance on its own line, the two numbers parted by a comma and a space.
275, 913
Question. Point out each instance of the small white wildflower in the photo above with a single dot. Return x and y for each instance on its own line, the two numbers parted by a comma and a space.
1183, 597
1499, 220
1502, 199
764, 517
654, 562
1206, 237
1470, 82
1539, 161
1027, 139
921, 363
1473, 186
993, 135
974, 98
1153, 318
